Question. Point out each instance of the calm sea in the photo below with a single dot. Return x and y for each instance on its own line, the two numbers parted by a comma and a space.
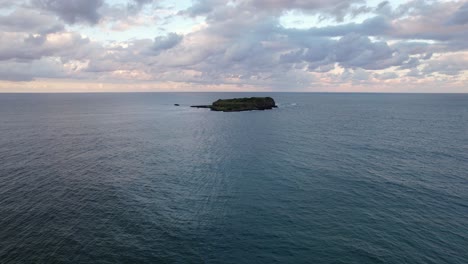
325, 178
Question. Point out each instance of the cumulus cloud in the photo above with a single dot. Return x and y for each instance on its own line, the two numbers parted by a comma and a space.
73, 11
142, 2
386, 75
335, 8
166, 42
460, 17
359, 51
410, 64
31, 21
22, 71
239, 42
34, 47
350, 51
9, 3
135, 6
452, 64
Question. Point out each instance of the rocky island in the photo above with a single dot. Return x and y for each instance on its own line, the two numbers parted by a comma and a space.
241, 104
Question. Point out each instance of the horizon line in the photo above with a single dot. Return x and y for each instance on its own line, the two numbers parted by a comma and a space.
311, 92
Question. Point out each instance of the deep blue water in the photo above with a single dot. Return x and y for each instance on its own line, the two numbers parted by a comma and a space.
325, 178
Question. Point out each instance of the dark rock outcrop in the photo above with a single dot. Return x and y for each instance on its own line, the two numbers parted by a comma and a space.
241, 104
201, 106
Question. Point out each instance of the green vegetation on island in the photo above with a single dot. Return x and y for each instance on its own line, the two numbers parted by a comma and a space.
241, 104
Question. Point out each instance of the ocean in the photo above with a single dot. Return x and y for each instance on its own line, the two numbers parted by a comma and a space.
324, 178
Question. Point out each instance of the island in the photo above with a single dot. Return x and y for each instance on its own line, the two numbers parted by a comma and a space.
241, 104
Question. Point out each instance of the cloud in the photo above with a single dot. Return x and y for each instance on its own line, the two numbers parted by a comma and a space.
135, 6
23, 71
332, 8
238, 42
410, 64
350, 51
34, 47
386, 75
169, 41
428, 20
203, 7
73, 11
36, 22
9, 3
460, 17
143, 2
359, 51
337, 9
451, 64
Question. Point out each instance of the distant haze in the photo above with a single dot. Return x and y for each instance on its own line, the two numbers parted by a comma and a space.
238, 45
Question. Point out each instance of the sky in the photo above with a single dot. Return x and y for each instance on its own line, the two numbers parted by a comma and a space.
237, 45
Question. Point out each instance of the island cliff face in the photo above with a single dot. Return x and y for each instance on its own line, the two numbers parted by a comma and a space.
241, 104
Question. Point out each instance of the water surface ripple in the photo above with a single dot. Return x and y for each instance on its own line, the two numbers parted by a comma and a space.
325, 178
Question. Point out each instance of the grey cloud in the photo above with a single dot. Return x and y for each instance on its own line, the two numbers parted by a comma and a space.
384, 9
27, 71
312, 50
374, 26
241, 43
386, 76
292, 56
30, 48
105, 65
26, 20
410, 64
414, 73
73, 11
334, 5
324, 68
360, 10
382, 5
16, 76
413, 20
119, 58
128, 12
142, 2
241, 50
335, 8
9, 3
358, 51
427, 56
169, 41
355, 75
134, 6
450, 65
312, 46
412, 48
361, 75
428, 20
250, 53
255, 45
350, 51
460, 17
202, 7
